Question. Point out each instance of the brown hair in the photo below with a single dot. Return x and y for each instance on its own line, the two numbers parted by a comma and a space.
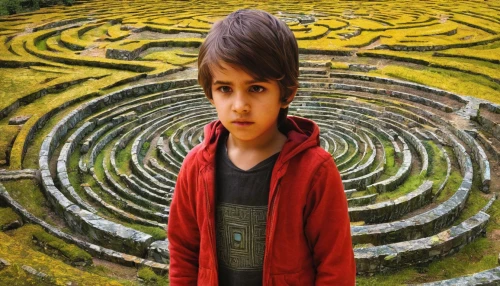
257, 42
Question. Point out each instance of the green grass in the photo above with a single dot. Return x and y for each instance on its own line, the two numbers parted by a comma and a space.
437, 164
98, 33
369, 152
150, 278
20, 253
41, 107
29, 195
7, 135
173, 56
41, 45
72, 168
348, 154
32, 154
389, 156
409, 185
485, 54
480, 255
454, 181
354, 160
17, 82
50, 244
156, 232
339, 65
494, 213
123, 158
104, 155
144, 149
454, 81
390, 166
99, 172
433, 154
485, 68
98, 169
7, 216
436, 173
89, 180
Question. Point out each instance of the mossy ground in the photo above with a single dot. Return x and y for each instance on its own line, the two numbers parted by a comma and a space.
32, 154
29, 195
174, 56
18, 249
458, 82
481, 254
123, 159
7, 216
49, 244
151, 278
7, 135
436, 173
391, 165
78, 179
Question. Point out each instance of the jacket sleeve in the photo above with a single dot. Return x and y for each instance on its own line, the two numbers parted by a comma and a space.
183, 233
328, 228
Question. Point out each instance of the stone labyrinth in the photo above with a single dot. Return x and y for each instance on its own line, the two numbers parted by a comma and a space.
100, 106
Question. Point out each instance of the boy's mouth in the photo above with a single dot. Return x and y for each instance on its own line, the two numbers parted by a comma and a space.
242, 123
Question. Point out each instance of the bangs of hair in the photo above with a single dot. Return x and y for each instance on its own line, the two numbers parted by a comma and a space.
255, 41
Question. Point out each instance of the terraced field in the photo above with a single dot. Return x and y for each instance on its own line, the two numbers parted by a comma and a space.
99, 104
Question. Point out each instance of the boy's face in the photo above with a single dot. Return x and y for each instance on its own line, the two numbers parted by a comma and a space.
246, 106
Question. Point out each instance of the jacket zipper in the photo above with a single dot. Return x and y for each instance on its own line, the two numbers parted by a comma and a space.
271, 232
214, 254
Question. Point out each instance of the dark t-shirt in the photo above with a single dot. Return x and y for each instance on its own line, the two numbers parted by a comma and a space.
241, 212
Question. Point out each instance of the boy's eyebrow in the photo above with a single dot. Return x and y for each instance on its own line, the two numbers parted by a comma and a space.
247, 82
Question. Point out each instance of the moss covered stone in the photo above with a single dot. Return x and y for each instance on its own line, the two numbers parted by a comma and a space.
18, 254
40, 240
9, 219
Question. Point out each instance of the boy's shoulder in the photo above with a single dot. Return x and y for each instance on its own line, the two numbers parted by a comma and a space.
314, 157
319, 153
192, 155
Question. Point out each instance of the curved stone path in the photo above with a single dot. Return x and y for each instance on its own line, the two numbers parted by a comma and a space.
139, 190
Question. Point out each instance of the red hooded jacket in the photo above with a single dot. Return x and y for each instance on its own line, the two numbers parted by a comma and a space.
308, 239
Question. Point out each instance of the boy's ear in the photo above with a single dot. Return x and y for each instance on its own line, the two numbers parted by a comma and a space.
289, 99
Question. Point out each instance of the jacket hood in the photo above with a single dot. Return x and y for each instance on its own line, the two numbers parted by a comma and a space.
302, 134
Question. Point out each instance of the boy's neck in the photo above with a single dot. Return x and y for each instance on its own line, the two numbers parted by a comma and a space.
246, 154
274, 140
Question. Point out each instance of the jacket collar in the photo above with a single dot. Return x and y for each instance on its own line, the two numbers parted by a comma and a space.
302, 134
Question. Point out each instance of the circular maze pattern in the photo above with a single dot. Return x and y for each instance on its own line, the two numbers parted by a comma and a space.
106, 136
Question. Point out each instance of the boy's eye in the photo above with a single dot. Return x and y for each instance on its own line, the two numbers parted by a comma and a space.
256, 88
224, 89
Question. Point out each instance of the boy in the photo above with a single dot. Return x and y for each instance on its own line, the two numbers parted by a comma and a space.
258, 202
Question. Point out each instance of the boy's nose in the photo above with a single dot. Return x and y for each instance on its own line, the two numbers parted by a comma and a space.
240, 103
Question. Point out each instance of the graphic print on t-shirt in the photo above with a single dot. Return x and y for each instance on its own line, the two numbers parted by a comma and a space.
242, 229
